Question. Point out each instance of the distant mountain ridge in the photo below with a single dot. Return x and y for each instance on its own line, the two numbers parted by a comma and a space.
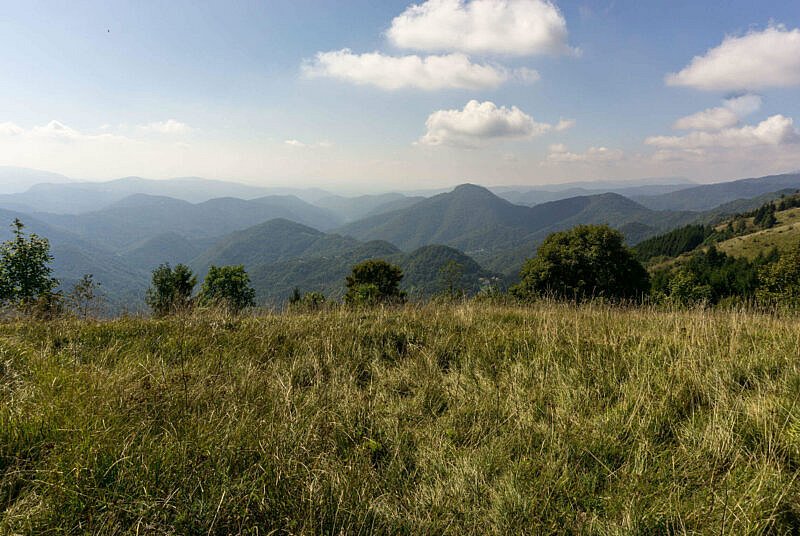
483, 225
287, 241
708, 196
73, 197
16, 179
141, 216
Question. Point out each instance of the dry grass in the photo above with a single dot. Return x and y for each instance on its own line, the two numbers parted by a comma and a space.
784, 236
451, 419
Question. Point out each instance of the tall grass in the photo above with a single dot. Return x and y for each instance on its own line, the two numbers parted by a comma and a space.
453, 419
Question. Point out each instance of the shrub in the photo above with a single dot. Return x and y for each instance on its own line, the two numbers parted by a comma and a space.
228, 286
780, 281
373, 282
171, 289
589, 261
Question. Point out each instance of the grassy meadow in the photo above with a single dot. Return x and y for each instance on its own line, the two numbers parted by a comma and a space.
451, 419
784, 236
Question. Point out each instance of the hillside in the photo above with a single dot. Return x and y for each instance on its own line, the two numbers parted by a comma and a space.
498, 233
423, 277
350, 209
785, 235
274, 282
708, 196
281, 255
272, 241
466, 419
151, 252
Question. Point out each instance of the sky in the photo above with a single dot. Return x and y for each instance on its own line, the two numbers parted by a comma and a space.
374, 96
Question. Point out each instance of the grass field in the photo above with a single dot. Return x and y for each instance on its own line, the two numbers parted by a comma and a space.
784, 236
452, 419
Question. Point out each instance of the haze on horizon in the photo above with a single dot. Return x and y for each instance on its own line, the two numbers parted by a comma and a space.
376, 96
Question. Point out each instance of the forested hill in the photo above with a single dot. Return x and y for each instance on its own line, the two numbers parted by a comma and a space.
477, 221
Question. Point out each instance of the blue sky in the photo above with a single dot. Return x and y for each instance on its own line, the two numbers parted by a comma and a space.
282, 92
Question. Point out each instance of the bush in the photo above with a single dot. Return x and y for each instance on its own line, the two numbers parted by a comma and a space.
373, 282
171, 289
228, 286
780, 281
589, 261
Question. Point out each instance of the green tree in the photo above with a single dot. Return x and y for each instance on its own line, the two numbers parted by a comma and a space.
685, 289
25, 272
85, 297
780, 281
764, 217
374, 281
171, 289
585, 262
228, 286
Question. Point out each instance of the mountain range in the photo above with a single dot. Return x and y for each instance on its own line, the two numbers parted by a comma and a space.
121, 234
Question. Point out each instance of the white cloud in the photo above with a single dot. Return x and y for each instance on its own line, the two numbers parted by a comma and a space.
725, 116
512, 27
744, 104
397, 72
297, 143
564, 124
169, 127
10, 129
559, 153
709, 119
775, 130
757, 60
479, 122
56, 130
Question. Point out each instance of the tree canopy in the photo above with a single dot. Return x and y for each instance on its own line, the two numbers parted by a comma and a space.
588, 261
374, 281
171, 289
228, 286
25, 272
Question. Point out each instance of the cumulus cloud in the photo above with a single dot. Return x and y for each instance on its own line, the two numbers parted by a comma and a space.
169, 127
56, 130
564, 124
479, 122
560, 154
398, 72
756, 60
744, 104
709, 119
725, 116
775, 130
10, 129
511, 27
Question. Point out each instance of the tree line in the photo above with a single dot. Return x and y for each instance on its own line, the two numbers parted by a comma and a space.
587, 262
